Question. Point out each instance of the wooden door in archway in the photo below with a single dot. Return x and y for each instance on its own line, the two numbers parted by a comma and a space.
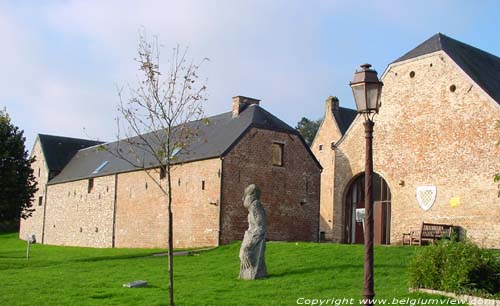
354, 207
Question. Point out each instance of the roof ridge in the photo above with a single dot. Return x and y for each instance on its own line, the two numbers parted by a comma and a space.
445, 46
273, 117
119, 140
347, 108
431, 44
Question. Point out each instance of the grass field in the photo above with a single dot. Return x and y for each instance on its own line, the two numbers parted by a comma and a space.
86, 276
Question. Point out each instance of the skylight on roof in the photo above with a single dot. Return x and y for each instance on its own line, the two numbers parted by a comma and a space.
175, 151
101, 166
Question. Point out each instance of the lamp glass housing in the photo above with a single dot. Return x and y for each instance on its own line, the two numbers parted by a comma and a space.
366, 89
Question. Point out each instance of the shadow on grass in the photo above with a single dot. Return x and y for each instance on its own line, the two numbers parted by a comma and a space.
19, 262
13, 255
110, 257
102, 296
332, 268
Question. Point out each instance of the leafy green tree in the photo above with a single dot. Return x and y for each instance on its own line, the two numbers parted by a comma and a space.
17, 182
308, 129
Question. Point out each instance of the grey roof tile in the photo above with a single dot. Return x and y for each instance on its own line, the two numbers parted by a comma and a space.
344, 118
58, 150
213, 140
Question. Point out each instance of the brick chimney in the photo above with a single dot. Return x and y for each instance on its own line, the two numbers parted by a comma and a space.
241, 102
332, 104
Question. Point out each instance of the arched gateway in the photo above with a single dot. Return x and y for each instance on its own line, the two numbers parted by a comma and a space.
355, 210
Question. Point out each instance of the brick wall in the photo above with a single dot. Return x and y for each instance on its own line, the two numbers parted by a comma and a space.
425, 134
141, 212
79, 218
283, 188
33, 224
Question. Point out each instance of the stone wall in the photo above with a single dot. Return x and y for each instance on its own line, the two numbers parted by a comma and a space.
290, 194
327, 134
429, 134
34, 224
74, 216
141, 210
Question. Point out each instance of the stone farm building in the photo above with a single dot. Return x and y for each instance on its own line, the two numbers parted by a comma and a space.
435, 131
88, 197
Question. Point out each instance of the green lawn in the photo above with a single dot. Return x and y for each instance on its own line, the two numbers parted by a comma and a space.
86, 276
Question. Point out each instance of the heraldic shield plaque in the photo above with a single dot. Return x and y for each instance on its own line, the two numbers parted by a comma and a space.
426, 196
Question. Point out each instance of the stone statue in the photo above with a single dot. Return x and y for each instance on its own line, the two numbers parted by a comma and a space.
253, 247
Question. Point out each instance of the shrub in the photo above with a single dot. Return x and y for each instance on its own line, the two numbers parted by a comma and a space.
459, 267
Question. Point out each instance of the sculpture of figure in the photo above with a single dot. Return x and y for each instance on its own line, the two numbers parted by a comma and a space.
253, 247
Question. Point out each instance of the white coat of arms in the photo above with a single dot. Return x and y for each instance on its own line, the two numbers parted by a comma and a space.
426, 196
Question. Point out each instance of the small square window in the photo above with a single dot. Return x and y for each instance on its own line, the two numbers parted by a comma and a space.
321, 147
278, 154
40, 201
91, 185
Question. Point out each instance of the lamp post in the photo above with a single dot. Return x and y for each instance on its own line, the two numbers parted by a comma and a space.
366, 88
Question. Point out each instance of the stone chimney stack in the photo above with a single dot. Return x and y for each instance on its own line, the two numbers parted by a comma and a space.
332, 104
241, 102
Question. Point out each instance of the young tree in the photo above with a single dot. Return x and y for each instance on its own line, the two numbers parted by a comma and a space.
158, 121
17, 181
497, 176
308, 129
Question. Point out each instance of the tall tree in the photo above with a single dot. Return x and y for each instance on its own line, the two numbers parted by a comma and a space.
308, 129
156, 119
17, 182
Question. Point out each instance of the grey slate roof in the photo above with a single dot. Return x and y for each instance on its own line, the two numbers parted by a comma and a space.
481, 66
59, 150
214, 139
344, 117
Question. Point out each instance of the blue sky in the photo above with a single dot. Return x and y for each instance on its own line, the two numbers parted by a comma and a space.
62, 61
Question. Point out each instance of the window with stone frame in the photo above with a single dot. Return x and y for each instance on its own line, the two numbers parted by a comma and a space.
278, 154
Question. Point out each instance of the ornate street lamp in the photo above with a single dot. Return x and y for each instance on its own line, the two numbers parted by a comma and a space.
366, 88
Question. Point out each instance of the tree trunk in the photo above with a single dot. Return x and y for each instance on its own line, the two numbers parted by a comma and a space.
170, 238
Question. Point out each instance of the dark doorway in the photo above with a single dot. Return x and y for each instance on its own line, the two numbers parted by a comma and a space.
355, 210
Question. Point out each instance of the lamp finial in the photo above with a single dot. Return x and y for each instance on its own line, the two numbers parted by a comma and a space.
366, 66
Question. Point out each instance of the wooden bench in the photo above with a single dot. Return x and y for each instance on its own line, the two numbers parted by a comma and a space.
429, 232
